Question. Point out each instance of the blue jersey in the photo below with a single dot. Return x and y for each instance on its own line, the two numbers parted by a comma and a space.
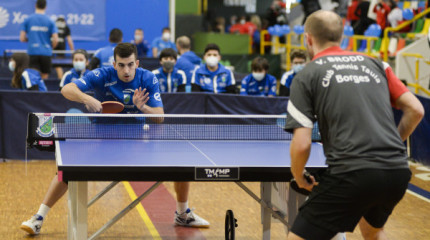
108, 87
169, 82
30, 78
160, 44
142, 48
105, 55
287, 78
71, 76
215, 82
186, 66
265, 87
39, 29
192, 57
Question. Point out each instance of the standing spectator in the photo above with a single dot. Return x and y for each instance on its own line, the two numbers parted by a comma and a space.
169, 77
395, 16
80, 63
364, 21
382, 10
141, 44
38, 30
23, 77
162, 42
310, 6
63, 35
213, 76
259, 82
298, 62
350, 16
104, 56
233, 20
239, 27
188, 61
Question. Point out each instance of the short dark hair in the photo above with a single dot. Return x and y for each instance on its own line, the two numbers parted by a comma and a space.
212, 46
298, 53
80, 51
259, 63
168, 52
115, 35
41, 4
124, 50
165, 28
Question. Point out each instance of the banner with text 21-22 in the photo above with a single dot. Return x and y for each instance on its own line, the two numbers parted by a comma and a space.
86, 19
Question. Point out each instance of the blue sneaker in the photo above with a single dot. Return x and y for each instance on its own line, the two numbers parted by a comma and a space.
33, 225
190, 219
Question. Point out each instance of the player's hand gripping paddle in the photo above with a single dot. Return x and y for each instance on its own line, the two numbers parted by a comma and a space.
295, 186
112, 107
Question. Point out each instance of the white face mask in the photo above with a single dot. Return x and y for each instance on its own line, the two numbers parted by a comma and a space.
258, 75
212, 61
12, 66
298, 67
242, 21
138, 37
79, 66
165, 36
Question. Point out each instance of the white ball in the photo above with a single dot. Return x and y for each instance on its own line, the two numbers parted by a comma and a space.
146, 127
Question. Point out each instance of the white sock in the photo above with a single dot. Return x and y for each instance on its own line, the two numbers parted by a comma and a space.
43, 210
181, 207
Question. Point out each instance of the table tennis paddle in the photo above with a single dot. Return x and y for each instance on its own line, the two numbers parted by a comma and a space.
295, 186
112, 107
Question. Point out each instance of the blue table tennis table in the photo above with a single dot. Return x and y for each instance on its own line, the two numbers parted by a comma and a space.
171, 152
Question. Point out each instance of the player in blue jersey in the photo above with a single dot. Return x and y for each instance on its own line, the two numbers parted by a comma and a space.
138, 90
298, 62
39, 30
141, 44
169, 77
80, 62
162, 42
23, 77
259, 83
188, 61
103, 57
213, 76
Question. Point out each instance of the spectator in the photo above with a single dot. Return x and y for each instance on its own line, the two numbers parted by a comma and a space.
277, 14
188, 61
80, 63
395, 17
162, 42
255, 19
141, 44
63, 35
169, 77
23, 77
239, 27
382, 10
38, 30
259, 83
310, 6
364, 21
213, 76
298, 62
233, 20
350, 16
104, 56
219, 25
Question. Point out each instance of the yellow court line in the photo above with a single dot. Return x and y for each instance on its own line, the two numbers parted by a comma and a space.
142, 212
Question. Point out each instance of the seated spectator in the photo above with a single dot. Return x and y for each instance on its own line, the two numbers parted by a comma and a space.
80, 63
23, 77
104, 56
141, 44
188, 61
239, 27
298, 62
233, 21
395, 17
169, 77
213, 76
259, 83
219, 25
162, 42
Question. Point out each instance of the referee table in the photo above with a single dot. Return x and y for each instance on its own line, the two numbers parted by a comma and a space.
131, 147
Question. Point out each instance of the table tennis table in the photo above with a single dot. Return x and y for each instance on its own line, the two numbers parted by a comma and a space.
189, 157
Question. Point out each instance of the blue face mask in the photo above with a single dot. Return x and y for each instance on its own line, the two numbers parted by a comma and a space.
298, 67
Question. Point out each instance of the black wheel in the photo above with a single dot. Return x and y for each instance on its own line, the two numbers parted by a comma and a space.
230, 225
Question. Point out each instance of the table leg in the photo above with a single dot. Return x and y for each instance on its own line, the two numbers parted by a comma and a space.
266, 215
295, 200
78, 210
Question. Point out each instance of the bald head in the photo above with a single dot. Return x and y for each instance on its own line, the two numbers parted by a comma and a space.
183, 42
325, 27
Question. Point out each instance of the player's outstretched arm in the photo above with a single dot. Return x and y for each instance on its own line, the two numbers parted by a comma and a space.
73, 93
413, 112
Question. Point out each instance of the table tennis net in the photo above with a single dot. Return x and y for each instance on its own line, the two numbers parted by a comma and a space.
61, 126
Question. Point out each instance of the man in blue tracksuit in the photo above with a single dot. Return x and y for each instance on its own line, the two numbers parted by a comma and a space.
188, 61
104, 56
259, 82
39, 30
169, 77
160, 43
213, 76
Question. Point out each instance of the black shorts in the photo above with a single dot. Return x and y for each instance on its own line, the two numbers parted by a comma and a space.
339, 201
41, 63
